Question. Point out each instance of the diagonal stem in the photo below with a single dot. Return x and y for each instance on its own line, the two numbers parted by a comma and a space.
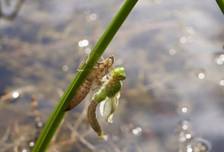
221, 5
58, 113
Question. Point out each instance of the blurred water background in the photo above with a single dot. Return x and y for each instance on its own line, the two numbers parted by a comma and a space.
172, 100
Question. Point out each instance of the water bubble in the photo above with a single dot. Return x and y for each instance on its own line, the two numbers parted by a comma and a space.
83, 43
183, 40
201, 145
137, 131
188, 136
24, 150
31, 144
185, 125
65, 68
189, 148
39, 124
185, 136
221, 82
15, 94
92, 17
185, 132
201, 75
219, 58
172, 51
184, 108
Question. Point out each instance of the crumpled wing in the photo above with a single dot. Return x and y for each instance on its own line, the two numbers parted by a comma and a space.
108, 107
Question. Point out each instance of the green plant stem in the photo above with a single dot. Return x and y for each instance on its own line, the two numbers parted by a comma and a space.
59, 112
221, 5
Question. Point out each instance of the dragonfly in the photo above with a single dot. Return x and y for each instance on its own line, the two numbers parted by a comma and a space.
108, 97
94, 78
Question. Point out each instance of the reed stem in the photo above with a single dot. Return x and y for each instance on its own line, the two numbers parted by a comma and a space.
59, 112
221, 5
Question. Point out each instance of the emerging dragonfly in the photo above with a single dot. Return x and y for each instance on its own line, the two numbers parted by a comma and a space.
98, 72
107, 96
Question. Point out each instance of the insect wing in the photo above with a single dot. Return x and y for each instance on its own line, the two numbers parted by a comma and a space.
108, 107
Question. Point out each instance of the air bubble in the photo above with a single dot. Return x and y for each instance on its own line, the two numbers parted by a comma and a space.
31, 144
65, 68
24, 150
184, 108
137, 131
201, 75
185, 125
83, 43
183, 40
172, 52
201, 145
221, 82
219, 58
15, 94
39, 124
189, 148
92, 16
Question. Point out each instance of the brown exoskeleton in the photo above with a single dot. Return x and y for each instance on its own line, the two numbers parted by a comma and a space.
94, 77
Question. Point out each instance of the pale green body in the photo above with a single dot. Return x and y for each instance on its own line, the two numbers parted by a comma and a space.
109, 93
112, 86
109, 90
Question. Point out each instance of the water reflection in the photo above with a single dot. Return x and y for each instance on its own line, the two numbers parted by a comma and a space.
92, 17
83, 43
201, 75
188, 142
172, 51
221, 82
15, 94
65, 68
137, 131
219, 58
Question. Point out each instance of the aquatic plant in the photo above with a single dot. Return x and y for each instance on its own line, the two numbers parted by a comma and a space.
59, 111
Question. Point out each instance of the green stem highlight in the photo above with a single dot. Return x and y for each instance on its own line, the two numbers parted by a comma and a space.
221, 5
59, 111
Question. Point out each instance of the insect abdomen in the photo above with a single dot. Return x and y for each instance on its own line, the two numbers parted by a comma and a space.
91, 115
80, 95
